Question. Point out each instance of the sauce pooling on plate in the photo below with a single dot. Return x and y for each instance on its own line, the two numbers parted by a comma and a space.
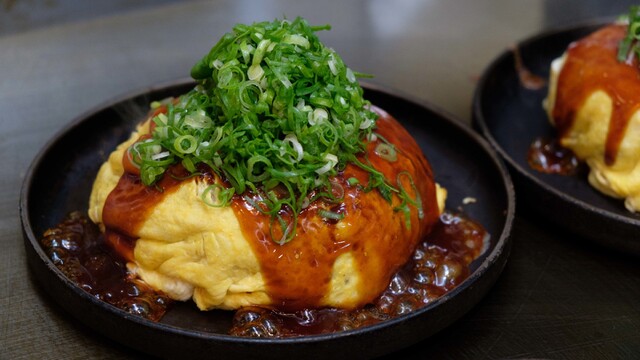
439, 264
77, 247
320, 242
604, 72
548, 156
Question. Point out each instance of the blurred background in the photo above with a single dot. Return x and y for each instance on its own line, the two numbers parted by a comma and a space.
435, 47
24, 15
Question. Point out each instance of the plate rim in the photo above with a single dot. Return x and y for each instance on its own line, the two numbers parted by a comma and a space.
499, 252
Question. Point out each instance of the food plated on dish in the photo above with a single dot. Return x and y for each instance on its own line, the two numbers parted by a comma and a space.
285, 204
260, 188
593, 101
551, 180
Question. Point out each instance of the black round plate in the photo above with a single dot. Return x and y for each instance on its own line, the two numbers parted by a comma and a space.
60, 180
511, 117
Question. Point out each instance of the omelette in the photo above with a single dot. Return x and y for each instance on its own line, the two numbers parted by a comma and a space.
594, 102
271, 183
219, 257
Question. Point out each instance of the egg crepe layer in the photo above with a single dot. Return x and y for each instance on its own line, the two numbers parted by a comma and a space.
594, 101
224, 257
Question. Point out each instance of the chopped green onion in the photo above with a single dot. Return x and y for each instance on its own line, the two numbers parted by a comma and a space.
330, 214
216, 195
161, 155
251, 164
386, 151
331, 161
287, 229
629, 47
407, 200
180, 178
293, 140
189, 140
273, 109
353, 181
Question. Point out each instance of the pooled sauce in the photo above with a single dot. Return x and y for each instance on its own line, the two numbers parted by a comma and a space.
440, 263
78, 249
591, 64
548, 156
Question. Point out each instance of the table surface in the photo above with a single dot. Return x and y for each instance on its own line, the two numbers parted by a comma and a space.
558, 297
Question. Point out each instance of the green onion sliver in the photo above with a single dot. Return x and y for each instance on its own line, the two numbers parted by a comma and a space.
628, 46
189, 140
273, 108
387, 152
330, 214
215, 195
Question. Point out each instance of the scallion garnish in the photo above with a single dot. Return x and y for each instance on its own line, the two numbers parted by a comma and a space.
386, 151
216, 195
331, 215
629, 47
276, 114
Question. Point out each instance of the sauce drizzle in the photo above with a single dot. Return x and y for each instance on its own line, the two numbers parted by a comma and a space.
292, 284
591, 64
527, 79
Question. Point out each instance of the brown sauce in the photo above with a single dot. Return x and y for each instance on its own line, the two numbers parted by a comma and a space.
548, 156
591, 64
439, 264
298, 273
78, 249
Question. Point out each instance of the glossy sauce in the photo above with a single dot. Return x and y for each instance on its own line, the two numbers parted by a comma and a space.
439, 264
128, 205
591, 64
548, 156
298, 273
527, 79
78, 249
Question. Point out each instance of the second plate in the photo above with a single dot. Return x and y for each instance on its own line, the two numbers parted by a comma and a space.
511, 116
